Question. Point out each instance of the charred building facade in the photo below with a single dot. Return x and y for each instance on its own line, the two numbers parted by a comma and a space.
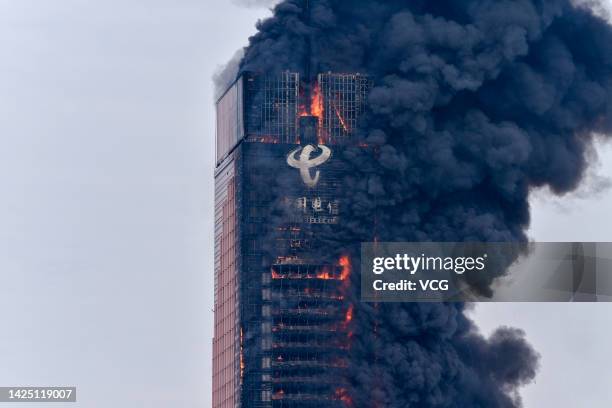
281, 316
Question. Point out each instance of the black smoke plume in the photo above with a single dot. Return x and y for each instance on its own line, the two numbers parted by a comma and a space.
475, 103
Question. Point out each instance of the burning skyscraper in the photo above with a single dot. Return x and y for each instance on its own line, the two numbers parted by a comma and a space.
282, 313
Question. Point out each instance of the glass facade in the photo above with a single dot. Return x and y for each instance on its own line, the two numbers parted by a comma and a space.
230, 125
343, 99
293, 311
272, 107
226, 335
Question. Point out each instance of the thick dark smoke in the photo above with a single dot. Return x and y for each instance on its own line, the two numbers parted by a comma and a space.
475, 102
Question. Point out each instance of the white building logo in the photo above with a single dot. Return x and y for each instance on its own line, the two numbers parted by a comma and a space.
304, 163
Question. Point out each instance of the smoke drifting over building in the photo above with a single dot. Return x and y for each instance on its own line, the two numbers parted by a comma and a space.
472, 104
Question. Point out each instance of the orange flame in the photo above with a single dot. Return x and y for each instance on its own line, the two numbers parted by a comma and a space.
276, 275
340, 118
342, 395
349, 315
324, 274
303, 111
345, 264
315, 108
266, 139
316, 103
242, 365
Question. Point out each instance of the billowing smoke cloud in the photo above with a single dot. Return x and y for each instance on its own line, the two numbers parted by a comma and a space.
475, 103
226, 74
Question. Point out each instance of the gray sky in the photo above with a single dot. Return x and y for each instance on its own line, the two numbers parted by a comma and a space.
107, 125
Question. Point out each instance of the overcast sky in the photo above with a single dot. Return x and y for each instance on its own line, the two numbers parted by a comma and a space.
106, 175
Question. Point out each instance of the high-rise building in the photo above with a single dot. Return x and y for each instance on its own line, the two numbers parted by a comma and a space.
281, 314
